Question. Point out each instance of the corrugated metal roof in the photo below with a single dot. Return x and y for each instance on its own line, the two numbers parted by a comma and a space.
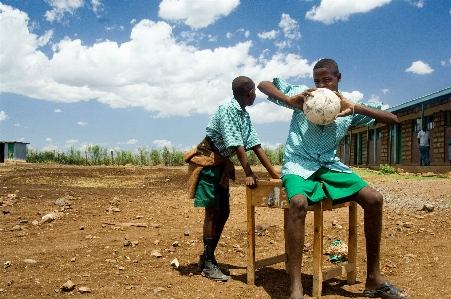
14, 142
421, 100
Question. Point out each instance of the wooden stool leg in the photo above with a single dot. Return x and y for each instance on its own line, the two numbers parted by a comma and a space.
285, 234
250, 238
317, 249
352, 243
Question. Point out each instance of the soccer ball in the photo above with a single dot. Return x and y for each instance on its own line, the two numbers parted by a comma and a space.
322, 107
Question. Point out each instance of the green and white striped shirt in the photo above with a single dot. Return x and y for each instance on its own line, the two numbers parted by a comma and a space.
231, 127
310, 147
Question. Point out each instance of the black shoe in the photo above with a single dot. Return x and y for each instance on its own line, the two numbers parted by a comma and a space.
213, 272
201, 265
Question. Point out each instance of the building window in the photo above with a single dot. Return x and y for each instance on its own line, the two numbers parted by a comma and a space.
378, 133
430, 122
448, 118
416, 125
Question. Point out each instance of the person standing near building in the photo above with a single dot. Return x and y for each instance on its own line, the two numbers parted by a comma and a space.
424, 141
449, 151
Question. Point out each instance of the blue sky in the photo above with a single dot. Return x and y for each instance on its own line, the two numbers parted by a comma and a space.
139, 73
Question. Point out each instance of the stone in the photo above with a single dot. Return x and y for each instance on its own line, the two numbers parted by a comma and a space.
29, 261
159, 289
156, 253
428, 208
68, 286
175, 263
84, 290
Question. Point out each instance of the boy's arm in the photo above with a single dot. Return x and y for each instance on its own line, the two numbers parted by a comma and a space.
381, 116
261, 155
296, 101
251, 179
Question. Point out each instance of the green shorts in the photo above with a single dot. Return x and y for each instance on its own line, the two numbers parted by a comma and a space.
209, 194
338, 185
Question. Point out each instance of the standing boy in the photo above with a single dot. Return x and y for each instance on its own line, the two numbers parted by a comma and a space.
310, 159
229, 132
423, 145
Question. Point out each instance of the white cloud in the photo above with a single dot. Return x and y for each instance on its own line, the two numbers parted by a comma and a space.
268, 35
97, 6
445, 63
196, 13
80, 123
290, 27
245, 32
162, 143
61, 7
131, 141
17, 125
229, 35
418, 3
43, 40
71, 141
57, 110
374, 99
354, 95
330, 11
384, 91
48, 139
3, 115
420, 68
271, 146
267, 112
50, 148
176, 80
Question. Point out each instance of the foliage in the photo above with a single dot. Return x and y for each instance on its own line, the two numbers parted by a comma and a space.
387, 169
143, 156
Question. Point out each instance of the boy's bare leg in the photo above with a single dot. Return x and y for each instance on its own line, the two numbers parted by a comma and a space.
296, 236
372, 204
221, 221
210, 220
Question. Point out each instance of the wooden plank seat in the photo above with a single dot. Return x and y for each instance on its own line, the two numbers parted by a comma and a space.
270, 194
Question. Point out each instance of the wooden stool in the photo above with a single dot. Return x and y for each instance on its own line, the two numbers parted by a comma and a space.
270, 194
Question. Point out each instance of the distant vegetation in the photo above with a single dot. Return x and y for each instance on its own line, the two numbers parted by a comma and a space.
96, 155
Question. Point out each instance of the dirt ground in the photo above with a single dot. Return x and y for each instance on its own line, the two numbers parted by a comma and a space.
115, 231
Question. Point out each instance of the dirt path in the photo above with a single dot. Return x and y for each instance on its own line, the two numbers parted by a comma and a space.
110, 223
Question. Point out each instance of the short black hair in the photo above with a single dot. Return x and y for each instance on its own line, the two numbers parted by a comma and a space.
327, 63
241, 86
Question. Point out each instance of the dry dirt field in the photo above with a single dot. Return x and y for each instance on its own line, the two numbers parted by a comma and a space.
114, 232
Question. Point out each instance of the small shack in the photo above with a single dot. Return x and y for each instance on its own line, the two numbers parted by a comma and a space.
13, 151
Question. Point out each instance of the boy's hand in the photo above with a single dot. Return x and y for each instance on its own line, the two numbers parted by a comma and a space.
298, 100
347, 107
251, 181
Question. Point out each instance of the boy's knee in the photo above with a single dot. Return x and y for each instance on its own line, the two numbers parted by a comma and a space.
372, 198
299, 205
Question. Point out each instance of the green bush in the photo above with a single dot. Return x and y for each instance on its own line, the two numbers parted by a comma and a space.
387, 169
97, 155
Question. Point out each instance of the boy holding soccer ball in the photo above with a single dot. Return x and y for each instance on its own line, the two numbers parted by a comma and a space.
309, 160
229, 132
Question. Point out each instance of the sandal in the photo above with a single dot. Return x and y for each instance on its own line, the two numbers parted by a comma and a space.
386, 291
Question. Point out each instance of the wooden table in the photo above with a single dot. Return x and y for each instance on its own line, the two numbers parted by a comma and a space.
270, 194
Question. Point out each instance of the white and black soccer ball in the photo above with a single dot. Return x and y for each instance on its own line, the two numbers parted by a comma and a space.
322, 107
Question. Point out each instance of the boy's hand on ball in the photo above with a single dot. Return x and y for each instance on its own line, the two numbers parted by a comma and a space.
298, 100
347, 107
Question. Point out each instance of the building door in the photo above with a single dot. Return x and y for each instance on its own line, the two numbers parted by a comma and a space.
358, 149
398, 144
2, 152
447, 139
11, 151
